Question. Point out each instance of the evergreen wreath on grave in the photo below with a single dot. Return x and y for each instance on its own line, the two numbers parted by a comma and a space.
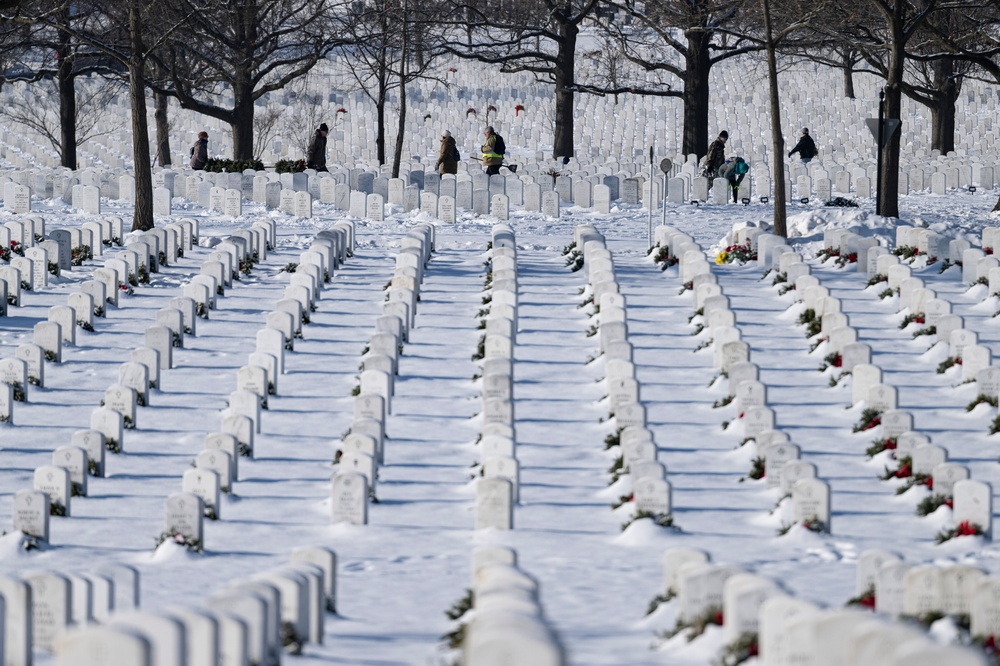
687, 286
56, 508
832, 360
906, 252
865, 600
757, 470
723, 401
917, 479
813, 524
932, 503
290, 639
518, 109
290, 267
655, 602
812, 323
661, 519
980, 399
613, 439
18, 392
841, 202
904, 469
989, 646
289, 166
926, 330
92, 467
17, 248
964, 528
53, 268
739, 651
194, 545
870, 418
112, 445
622, 501
878, 278
944, 365
696, 626
880, 445
779, 278
79, 254
887, 293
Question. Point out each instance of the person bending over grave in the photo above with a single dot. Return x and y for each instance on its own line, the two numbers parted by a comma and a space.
806, 148
316, 155
199, 152
733, 170
449, 157
493, 151
716, 156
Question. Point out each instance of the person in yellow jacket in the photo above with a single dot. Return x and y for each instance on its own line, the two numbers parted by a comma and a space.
492, 157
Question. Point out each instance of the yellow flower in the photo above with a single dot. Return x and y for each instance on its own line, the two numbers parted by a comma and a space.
722, 258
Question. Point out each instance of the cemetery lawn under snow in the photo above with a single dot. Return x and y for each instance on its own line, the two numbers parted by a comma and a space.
398, 575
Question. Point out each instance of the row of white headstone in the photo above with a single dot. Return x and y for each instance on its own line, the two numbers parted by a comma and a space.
508, 624
950, 480
40, 606
362, 450
498, 489
973, 498
54, 485
217, 466
251, 621
647, 477
791, 631
778, 456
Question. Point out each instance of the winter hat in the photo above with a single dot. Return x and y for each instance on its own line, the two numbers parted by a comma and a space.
724, 134
490, 130
324, 128
446, 134
805, 130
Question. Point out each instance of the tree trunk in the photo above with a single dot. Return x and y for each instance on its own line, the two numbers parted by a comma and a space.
242, 126
162, 129
943, 107
142, 219
380, 122
397, 153
565, 71
848, 81
780, 213
893, 105
66, 82
697, 67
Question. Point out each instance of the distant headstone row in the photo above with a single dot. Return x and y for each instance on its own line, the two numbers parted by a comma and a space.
756, 613
917, 460
252, 621
639, 478
498, 491
362, 449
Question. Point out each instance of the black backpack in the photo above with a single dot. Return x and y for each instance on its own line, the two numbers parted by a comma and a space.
457, 156
499, 147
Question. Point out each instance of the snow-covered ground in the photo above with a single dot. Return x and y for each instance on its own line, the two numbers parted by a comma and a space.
399, 574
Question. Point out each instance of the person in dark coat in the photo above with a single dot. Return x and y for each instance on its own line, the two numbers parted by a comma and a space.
806, 148
716, 154
734, 170
316, 155
199, 152
447, 161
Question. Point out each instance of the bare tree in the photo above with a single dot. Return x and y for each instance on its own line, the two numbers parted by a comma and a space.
38, 108
51, 50
394, 45
244, 50
537, 36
